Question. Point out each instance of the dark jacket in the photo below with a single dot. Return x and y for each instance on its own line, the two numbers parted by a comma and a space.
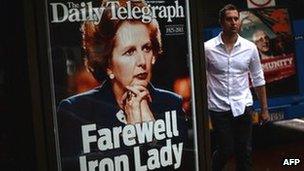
98, 106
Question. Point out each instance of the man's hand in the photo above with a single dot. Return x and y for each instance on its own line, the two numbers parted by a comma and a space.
264, 117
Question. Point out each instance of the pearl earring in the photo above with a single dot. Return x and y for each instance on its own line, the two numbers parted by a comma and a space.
153, 61
111, 76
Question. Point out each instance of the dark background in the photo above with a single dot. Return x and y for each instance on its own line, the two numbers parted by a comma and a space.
17, 147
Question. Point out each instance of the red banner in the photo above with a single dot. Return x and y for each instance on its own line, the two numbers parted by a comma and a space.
279, 67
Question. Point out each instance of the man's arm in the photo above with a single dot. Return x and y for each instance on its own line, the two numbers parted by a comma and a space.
261, 94
259, 82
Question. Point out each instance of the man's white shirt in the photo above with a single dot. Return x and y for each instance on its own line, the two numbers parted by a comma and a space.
228, 74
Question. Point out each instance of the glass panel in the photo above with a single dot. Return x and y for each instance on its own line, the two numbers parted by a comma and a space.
122, 77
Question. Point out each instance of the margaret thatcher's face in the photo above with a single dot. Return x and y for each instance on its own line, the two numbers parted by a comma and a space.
132, 56
262, 42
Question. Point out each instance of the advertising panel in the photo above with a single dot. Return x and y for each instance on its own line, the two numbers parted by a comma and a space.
270, 29
123, 85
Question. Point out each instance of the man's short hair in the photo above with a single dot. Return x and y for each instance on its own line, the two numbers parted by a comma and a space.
226, 8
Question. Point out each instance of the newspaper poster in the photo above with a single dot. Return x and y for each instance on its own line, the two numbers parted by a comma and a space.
270, 29
122, 84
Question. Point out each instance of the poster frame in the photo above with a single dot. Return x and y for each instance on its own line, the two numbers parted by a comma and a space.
43, 95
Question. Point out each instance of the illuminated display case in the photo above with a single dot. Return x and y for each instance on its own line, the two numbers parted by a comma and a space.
157, 46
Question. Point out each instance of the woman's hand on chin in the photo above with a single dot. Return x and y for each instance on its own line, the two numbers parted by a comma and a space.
146, 113
135, 104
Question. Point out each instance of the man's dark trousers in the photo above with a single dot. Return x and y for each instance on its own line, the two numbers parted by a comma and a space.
233, 135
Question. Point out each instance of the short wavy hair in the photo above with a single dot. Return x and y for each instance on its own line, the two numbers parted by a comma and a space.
98, 40
227, 7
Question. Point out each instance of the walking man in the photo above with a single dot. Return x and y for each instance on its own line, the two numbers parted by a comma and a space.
230, 59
